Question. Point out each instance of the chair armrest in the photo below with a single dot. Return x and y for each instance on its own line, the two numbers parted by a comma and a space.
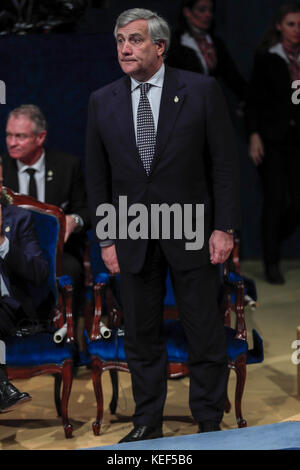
100, 282
241, 330
236, 254
65, 284
98, 311
234, 282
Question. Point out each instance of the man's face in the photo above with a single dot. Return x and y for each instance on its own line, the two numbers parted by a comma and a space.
138, 56
22, 140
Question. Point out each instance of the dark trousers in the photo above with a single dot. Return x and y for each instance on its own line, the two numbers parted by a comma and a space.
281, 190
9, 319
196, 296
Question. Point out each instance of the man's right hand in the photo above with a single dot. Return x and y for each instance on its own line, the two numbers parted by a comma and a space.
109, 256
256, 148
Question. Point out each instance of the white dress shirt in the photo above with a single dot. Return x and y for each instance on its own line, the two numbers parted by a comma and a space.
154, 96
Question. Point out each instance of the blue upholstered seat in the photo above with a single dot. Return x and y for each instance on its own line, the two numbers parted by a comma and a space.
112, 349
35, 350
176, 344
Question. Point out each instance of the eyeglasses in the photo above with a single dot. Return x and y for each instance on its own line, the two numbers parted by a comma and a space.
20, 137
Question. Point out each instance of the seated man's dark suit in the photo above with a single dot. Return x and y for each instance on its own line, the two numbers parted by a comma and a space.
22, 267
65, 188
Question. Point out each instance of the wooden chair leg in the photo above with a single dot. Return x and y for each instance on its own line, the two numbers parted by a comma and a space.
96, 377
240, 369
227, 406
57, 385
67, 378
115, 388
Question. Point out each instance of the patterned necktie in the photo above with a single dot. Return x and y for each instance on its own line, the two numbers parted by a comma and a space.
146, 138
32, 189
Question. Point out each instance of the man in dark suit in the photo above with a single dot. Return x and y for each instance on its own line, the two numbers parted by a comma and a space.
51, 177
21, 266
166, 142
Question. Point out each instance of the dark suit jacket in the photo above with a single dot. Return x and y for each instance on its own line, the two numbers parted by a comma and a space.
195, 160
269, 107
183, 57
64, 187
24, 265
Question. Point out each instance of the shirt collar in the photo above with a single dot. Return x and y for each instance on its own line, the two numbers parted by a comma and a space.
279, 50
39, 165
156, 80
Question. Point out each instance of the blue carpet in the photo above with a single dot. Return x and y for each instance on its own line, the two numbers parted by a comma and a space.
279, 436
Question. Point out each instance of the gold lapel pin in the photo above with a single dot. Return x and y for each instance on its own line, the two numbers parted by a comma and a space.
176, 99
7, 229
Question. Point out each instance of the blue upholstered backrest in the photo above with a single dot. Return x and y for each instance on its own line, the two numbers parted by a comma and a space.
47, 230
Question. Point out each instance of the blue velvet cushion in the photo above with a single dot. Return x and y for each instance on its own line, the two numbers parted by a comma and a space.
65, 280
235, 347
113, 349
36, 350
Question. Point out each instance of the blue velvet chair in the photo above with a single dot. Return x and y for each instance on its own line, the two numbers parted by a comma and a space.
36, 354
109, 354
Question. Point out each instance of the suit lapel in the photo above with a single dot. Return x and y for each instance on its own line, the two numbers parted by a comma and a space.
124, 116
172, 98
6, 222
7, 231
50, 175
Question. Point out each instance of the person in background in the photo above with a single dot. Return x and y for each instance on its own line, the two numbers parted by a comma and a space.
52, 177
273, 126
194, 47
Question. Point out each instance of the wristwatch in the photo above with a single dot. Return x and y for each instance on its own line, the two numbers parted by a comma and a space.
230, 230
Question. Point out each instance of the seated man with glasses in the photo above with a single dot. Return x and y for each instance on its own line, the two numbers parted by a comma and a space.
52, 177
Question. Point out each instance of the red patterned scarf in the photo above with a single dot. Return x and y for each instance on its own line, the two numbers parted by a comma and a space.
208, 50
294, 64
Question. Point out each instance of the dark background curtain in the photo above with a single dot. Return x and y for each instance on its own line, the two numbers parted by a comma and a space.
58, 72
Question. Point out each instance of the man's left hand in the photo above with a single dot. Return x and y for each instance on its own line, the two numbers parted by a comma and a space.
71, 225
220, 246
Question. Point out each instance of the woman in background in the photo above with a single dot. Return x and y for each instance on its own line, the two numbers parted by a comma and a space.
194, 47
273, 125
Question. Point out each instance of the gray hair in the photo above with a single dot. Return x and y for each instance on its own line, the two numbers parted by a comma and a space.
33, 113
157, 26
